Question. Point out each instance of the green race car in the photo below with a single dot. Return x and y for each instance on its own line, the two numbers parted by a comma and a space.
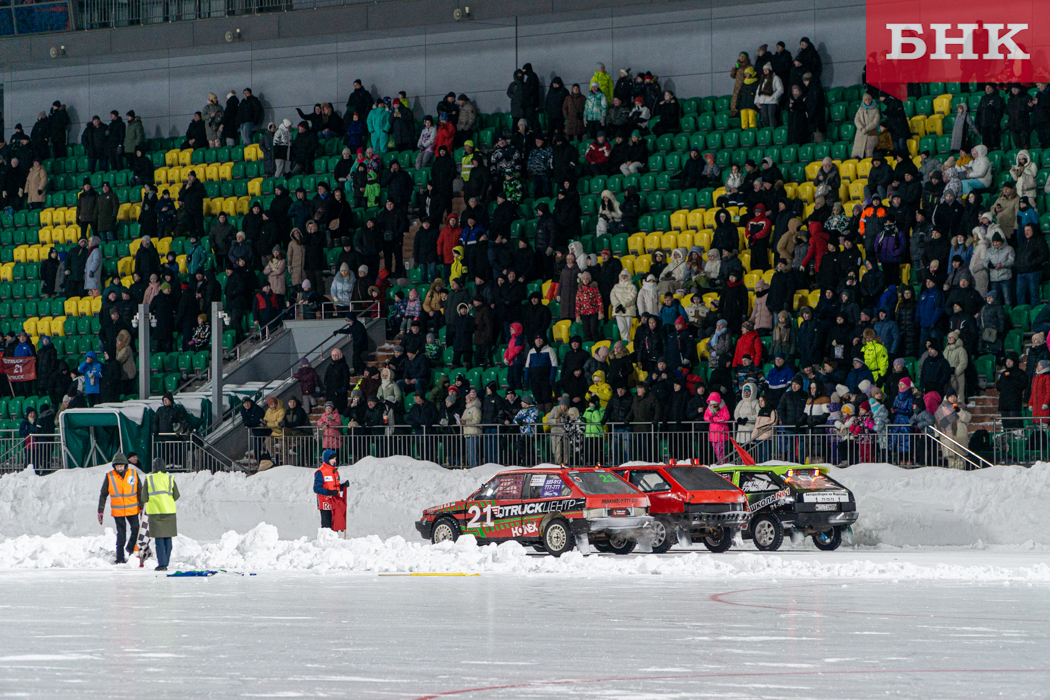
793, 499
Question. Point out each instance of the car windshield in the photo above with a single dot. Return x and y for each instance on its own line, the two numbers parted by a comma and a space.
597, 483
700, 479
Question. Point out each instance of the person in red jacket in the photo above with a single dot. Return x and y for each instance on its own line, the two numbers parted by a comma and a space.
589, 307
514, 356
818, 245
329, 490
448, 239
597, 156
1040, 395
749, 344
758, 230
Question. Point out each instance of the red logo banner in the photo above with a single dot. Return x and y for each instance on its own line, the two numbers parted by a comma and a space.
20, 369
953, 41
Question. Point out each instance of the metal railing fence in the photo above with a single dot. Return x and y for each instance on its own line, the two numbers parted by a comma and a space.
458, 447
42, 452
191, 453
1020, 440
105, 14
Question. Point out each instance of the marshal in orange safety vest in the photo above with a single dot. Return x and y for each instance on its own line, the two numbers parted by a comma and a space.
122, 488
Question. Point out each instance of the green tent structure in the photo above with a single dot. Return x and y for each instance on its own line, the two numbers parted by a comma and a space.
91, 436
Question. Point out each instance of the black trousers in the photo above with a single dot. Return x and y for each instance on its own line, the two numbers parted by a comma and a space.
123, 524
326, 519
393, 257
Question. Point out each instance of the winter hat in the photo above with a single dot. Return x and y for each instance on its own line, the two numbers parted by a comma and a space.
286, 123
858, 360
327, 455
564, 400
749, 326
680, 322
835, 398
898, 363
528, 400
1042, 367
847, 409
841, 389
864, 387
451, 398
306, 285
121, 458
906, 382
329, 403
797, 379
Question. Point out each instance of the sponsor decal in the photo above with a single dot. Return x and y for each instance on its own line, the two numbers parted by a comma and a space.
539, 507
924, 41
827, 497
782, 495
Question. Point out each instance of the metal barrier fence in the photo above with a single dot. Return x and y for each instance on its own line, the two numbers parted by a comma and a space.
41, 452
102, 14
191, 453
501, 444
1021, 440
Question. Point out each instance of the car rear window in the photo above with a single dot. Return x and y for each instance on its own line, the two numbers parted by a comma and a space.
700, 479
598, 483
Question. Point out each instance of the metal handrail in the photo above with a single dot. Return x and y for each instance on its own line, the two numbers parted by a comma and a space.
960, 451
191, 452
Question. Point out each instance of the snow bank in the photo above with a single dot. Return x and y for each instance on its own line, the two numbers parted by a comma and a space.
261, 549
386, 497
898, 507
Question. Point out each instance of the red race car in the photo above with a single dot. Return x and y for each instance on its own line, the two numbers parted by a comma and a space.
552, 509
689, 502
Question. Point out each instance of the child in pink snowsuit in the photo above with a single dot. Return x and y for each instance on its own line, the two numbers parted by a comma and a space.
717, 415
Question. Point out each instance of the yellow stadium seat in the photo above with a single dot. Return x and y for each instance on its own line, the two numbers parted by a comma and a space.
685, 240
72, 306
701, 348
125, 266
843, 190
709, 218
212, 172
741, 238
96, 305
133, 246
718, 193
806, 191
164, 245
669, 241
942, 104
186, 157
20, 253
636, 243
58, 326
628, 263
72, 233
174, 189
703, 239
906, 272
127, 281
29, 325
160, 175
607, 344
250, 152
856, 189
913, 148
935, 125
848, 169
917, 125
84, 306
229, 206
243, 205
561, 331
695, 219
171, 158
45, 250
255, 187
652, 243
70, 216
642, 263
791, 190
745, 260
768, 275
33, 254
864, 168
181, 260
679, 220
808, 209
7, 272
735, 212
546, 288
136, 211
801, 297
226, 171
812, 169
124, 212
751, 279
47, 216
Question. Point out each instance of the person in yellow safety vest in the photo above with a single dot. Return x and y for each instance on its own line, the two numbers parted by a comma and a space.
327, 486
126, 492
467, 162
162, 493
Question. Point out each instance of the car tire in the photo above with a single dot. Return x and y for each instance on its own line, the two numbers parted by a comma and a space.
621, 544
829, 540
767, 532
539, 547
444, 530
719, 541
601, 547
557, 537
664, 536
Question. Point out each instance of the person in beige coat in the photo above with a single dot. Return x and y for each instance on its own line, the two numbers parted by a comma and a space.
296, 258
560, 416
955, 354
787, 243
36, 185
470, 420
952, 419
867, 122
623, 298
274, 272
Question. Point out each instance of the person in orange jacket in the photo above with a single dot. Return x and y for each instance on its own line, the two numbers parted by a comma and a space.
327, 487
126, 490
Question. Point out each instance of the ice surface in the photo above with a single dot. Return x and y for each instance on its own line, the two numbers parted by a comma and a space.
126, 634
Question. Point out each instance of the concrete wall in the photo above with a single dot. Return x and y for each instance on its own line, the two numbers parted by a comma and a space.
295, 59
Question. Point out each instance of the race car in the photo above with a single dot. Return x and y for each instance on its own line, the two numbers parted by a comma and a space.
689, 502
552, 509
793, 499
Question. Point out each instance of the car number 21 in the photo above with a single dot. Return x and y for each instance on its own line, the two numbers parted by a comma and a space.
475, 516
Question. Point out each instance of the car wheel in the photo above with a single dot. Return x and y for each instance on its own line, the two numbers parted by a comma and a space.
719, 540
620, 543
663, 535
829, 540
767, 532
602, 547
557, 539
444, 530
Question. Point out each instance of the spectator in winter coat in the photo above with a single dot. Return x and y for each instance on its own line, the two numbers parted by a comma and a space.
623, 299
749, 344
866, 122
1032, 256
1000, 265
1039, 395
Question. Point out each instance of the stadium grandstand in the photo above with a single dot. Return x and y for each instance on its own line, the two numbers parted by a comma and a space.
651, 258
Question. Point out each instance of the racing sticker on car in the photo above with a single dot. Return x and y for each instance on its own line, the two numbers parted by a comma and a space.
552, 488
540, 507
753, 483
768, 500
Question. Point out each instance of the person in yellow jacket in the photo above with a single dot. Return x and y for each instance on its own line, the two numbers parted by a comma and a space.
161, 493
599, 388
459, 265
605, 82
875, 356
467, 163
126, 491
